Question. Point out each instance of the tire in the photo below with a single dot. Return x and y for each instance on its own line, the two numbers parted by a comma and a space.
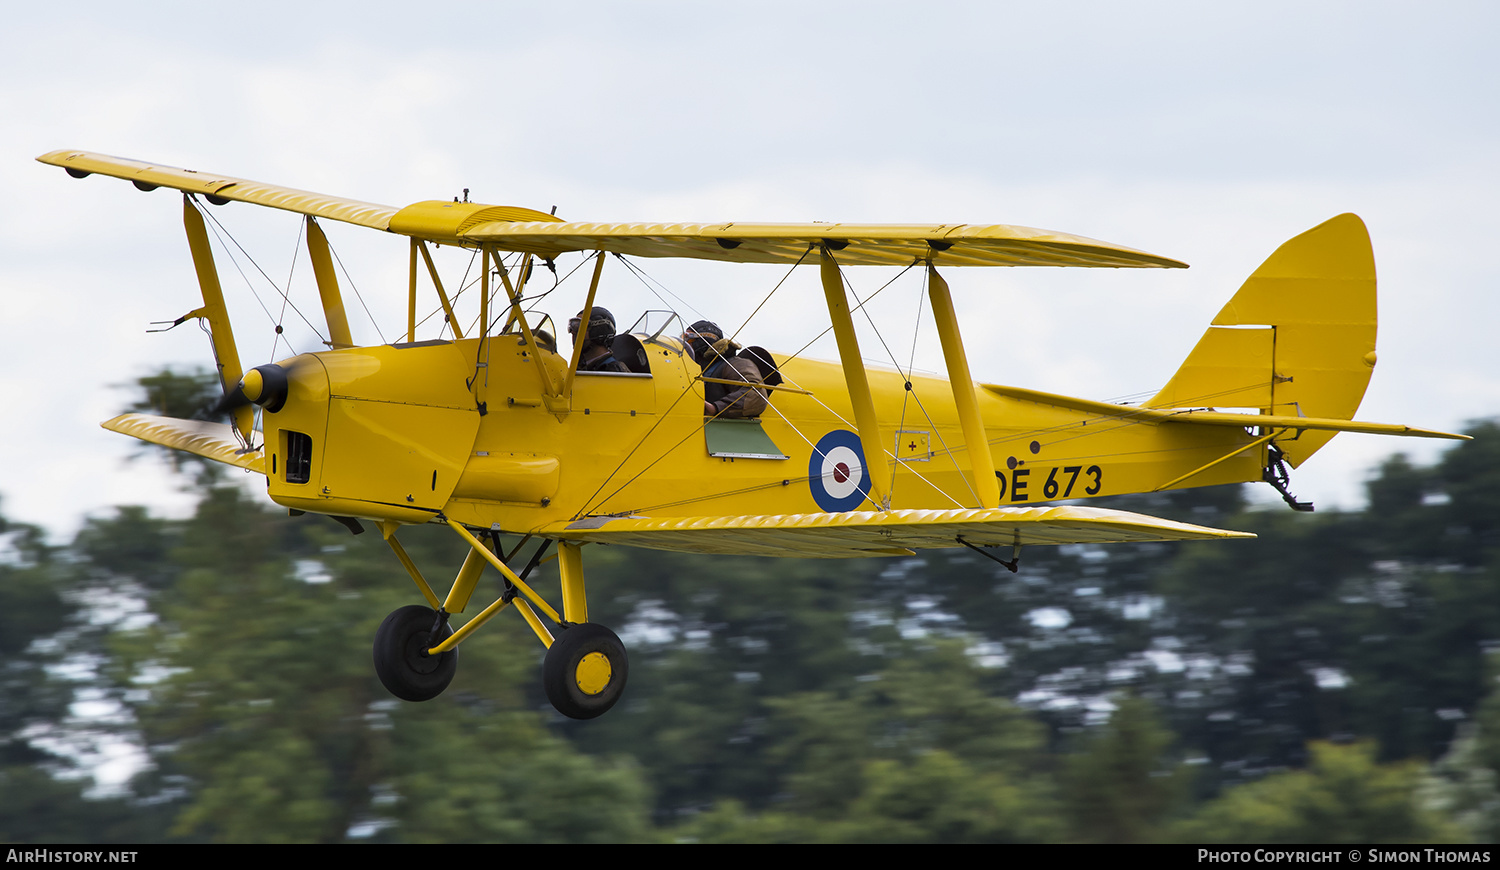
585, 671
399, 661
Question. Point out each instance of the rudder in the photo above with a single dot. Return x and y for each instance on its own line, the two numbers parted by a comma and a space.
1298, 338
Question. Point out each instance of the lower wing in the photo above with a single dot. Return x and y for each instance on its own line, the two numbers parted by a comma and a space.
882, 533
214, 441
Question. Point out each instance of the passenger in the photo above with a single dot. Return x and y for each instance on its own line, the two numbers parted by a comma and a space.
719, 358
597, 341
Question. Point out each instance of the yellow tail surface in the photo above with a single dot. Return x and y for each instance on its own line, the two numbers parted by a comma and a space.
1298, 339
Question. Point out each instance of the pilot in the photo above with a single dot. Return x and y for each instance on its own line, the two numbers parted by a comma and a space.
597, 341
719, 358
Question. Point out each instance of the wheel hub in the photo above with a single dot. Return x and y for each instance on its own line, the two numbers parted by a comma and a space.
593, 673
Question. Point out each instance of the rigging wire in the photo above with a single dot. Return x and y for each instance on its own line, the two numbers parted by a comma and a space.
251, 287
784, 418
634, 269
1123, 423
772, 293
840, 417
357, 294
906, 376
906, 397
639, 272
906, 373
772, 485
868, 496
524, 299
531, 301
662, 418
263, 274
950, 452
291, 270
1127, 417
851, 312
1132, 398
463, 284
642, 276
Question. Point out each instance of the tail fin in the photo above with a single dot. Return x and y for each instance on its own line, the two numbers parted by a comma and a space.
1298, 339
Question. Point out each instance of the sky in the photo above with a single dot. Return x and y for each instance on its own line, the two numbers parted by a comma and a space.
1209, 133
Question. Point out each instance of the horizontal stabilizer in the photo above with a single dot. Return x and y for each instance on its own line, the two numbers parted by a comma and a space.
1213, 418
214, 441
1321, 424
882, 533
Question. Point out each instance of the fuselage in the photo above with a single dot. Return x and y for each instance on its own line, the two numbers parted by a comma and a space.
396, 433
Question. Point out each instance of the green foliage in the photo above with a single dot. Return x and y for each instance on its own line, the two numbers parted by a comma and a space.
1344, 797
187, 395
41, 793
1122, 787
38, 808
1464, 785
933, 798
255, 696
33, 608
1342, 624
1461, 787
1327, 626
917, 753
190, 395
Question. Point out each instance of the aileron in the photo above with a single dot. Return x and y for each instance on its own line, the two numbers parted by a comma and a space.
221, 188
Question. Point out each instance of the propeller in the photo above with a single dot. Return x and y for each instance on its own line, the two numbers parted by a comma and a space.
265, 385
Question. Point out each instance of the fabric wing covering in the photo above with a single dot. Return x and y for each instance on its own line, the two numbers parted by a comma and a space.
869, 533
513, 228
214, 441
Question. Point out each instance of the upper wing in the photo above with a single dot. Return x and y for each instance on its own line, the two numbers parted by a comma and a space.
214, 441
882, 533
222, 188
514, 228
852, 244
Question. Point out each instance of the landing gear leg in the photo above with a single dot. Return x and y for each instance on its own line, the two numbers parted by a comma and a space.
586, 667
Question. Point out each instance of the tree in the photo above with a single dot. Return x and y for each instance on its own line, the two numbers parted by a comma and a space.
42, 784
256, 701
190, 395
1344, 796
1122, 786
918, 752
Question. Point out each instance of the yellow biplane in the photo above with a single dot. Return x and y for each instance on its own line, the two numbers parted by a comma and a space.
495, 432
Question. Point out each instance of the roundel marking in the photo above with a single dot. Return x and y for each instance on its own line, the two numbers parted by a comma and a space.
836, 472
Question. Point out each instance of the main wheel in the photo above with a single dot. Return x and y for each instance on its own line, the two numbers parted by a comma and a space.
585, 671
401, 662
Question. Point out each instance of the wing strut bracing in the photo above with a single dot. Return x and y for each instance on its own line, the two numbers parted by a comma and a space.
328, 287
226, 356
964, 394
854, 376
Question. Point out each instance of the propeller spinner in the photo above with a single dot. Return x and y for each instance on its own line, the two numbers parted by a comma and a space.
264, 385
